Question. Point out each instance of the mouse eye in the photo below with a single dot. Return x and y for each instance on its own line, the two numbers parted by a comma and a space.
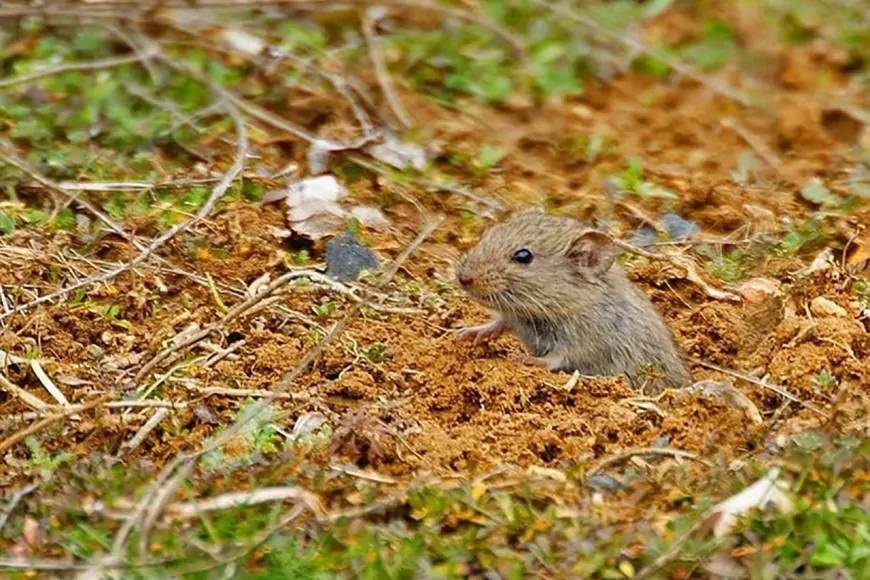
522, 256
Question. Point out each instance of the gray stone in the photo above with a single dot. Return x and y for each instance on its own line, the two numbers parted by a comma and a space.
346, 257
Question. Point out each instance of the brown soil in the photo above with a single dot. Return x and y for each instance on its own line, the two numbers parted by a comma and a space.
449, 406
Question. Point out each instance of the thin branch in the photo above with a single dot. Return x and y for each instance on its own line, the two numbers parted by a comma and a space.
235, 499
16, 498
629, 453
92, 65
681, 262
40, 425
143, 432
28, 399
782, 392
376, 55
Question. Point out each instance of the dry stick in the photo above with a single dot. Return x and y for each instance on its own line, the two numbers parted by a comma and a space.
755, 142
234, 499
775, 388
338, 83
143, 432
27, 398
146, 62
58, 565
216, 194
39, 425
629, 453
680, 262
76, 66
678, 65
14, 501
294, 513
674, 549
376, 55
158, 496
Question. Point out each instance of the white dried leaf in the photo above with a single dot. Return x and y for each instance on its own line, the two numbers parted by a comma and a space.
825, 308
280, 233
319, 226
546, 473
759, 289
728, 394
370, 217
243, 42
766, 491
398, 154
7, 359
319, 157
307, 424
316, 195
275, 195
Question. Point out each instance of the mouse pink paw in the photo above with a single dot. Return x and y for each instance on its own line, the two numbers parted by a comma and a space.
549, 362
482, 333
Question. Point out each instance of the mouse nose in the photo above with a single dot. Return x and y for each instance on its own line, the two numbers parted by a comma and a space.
465, 279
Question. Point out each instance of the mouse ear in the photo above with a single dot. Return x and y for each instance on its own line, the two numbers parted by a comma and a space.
592, 251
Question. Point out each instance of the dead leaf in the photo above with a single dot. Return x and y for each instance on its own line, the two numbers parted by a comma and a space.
825, 308
398, 154
766, 491
729, 394
758, 290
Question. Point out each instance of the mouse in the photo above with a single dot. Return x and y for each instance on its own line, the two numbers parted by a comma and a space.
555, 283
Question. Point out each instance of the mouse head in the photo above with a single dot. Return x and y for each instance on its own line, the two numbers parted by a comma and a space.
536, 264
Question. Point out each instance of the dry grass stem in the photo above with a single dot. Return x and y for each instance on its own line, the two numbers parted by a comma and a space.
99, 64
629, 453
376, 55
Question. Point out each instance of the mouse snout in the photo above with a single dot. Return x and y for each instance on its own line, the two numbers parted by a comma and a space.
465, 278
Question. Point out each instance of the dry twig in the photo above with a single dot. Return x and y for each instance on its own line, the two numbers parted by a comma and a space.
629, 453
40, 425
775, 388
91, 65
681, 262
376, 55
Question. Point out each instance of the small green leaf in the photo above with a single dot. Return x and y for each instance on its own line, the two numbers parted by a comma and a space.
816, 192
7, 224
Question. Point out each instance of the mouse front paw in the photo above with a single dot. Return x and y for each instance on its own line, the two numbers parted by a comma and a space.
550, 362
482, 333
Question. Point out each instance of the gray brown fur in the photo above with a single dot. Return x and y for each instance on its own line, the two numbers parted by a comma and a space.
564, 310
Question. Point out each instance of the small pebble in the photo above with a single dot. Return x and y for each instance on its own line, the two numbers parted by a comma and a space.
677, 227
346, 257
644, 237
824, 308
604, 482
758, 290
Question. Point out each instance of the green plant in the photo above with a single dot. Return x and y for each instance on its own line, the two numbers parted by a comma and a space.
731, 266
43, 462
799, 236
325, 309
825, 380
632, 181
